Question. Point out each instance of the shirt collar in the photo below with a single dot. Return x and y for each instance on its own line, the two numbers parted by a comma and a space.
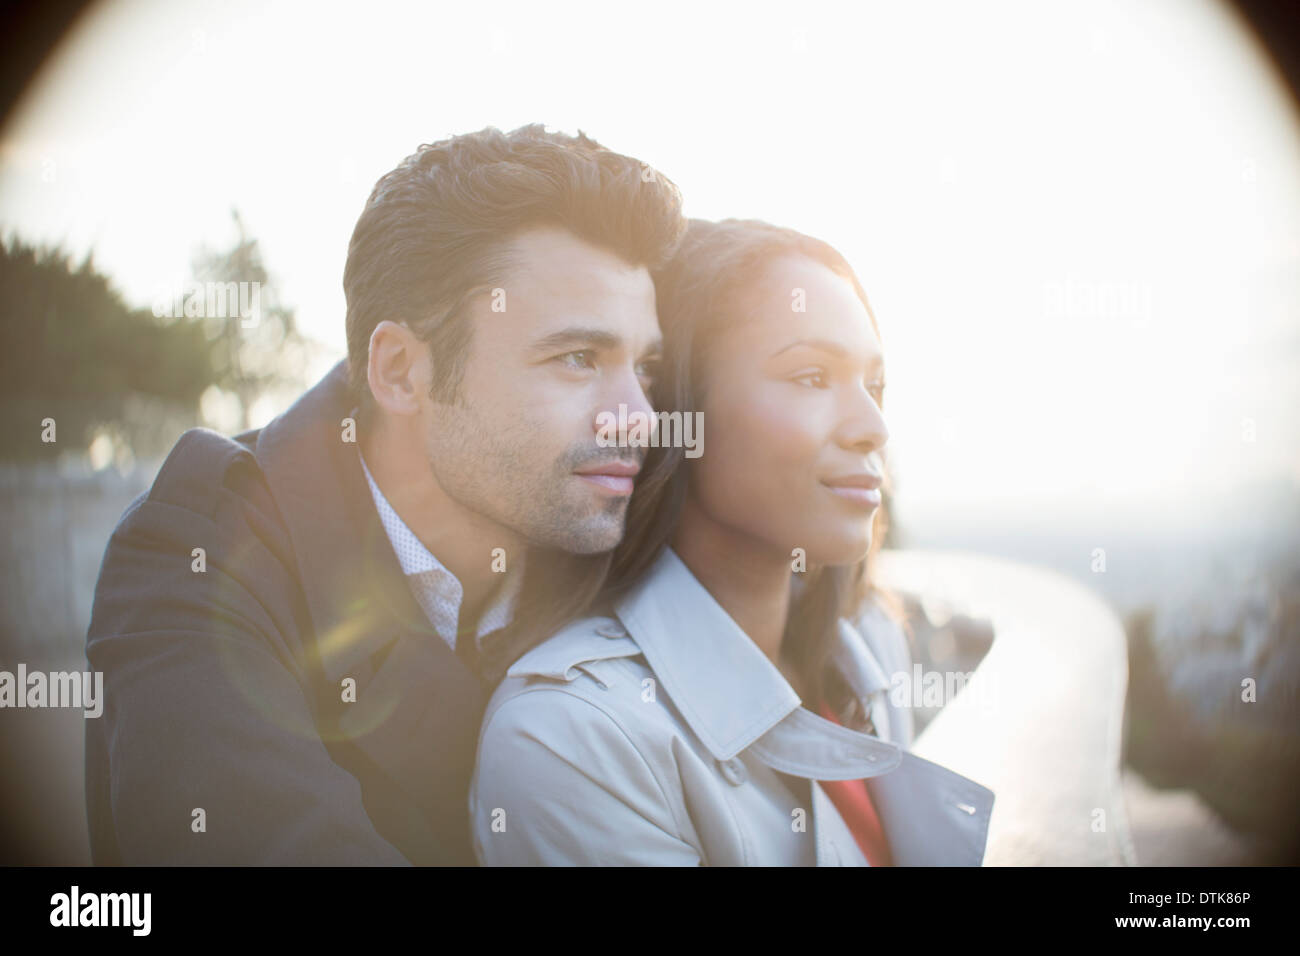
424, 570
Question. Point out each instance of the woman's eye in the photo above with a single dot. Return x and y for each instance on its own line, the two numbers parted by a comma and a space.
878, 393
815, 379
583, 359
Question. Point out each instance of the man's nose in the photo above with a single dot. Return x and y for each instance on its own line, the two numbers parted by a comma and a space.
627, 400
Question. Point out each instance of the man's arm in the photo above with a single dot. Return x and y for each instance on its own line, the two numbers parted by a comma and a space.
558, 782
205, 715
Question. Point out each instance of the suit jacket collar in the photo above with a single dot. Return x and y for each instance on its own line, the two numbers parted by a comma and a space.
417, 707
355, 589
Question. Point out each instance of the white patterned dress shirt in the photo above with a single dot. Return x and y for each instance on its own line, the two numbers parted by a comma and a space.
437, 590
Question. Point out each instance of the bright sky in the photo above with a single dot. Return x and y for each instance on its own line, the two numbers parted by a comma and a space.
1078, 223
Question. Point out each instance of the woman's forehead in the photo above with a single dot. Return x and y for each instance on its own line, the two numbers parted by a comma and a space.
795, 298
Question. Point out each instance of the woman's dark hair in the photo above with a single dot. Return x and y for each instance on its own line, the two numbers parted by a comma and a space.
699, 293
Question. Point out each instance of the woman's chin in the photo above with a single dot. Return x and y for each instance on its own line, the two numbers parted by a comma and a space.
840, 550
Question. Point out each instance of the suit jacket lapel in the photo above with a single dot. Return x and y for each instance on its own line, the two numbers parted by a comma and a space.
417, 708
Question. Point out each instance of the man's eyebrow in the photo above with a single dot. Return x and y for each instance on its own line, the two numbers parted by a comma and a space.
826, 345
577, 335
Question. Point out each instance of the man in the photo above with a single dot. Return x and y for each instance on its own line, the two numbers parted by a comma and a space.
290, 622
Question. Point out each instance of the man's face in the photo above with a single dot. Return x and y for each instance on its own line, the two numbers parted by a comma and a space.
575, 334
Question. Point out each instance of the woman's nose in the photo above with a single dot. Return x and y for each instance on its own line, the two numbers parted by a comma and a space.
862, 425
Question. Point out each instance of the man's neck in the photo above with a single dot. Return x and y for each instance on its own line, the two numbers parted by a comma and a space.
460, 539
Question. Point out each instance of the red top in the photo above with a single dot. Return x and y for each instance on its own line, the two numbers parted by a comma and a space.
853, 802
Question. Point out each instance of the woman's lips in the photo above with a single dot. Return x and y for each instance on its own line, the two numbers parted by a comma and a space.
865, 497
861, 489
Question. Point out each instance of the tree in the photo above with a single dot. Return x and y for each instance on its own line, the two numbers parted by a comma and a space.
259, 354
71, 349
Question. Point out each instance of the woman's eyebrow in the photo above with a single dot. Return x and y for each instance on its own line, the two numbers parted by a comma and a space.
826, 345
832, 348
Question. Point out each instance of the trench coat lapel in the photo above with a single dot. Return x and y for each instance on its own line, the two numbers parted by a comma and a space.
734, 699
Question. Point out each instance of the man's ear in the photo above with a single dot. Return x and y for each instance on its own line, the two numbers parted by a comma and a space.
397, 367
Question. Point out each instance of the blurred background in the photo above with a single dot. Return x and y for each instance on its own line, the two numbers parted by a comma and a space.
1078, 224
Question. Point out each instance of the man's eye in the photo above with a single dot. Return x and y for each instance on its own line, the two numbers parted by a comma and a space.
584, 359
648, 371
814, 379
877, 391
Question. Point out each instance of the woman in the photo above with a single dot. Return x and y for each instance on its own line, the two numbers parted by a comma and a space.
729, 705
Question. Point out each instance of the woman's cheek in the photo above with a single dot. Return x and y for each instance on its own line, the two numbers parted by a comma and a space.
790, 430
778, 464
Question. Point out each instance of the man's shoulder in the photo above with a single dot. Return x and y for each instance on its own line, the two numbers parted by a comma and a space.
199, 466
210, 489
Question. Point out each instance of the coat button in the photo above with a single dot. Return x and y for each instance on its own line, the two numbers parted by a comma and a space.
734, 771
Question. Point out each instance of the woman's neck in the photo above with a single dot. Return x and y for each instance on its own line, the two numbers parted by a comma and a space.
745, 576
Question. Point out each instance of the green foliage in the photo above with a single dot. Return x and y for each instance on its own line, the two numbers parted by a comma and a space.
73, 350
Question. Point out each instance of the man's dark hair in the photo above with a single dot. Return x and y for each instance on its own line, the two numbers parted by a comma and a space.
435, 231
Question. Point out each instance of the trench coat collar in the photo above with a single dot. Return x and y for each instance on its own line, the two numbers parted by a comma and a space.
733, 698
731, 695
727, 691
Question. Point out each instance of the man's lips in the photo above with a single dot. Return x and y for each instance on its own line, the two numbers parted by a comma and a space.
614, 477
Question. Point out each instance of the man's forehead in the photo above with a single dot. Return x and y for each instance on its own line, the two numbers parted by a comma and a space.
552, 260
554, 281
540, 250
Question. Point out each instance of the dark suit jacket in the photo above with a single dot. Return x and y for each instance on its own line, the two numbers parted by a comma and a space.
223, 688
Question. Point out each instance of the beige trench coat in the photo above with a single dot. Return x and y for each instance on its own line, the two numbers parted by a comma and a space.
664, 736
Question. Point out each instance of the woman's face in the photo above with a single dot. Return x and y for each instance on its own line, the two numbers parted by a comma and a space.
793, 389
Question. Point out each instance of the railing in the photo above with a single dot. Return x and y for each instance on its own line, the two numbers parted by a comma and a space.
1041, 721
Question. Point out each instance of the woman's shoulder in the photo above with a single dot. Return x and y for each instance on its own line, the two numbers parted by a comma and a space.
574, 757
591, 671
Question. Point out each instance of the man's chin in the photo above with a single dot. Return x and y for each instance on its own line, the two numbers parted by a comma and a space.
594, 537
591, 545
